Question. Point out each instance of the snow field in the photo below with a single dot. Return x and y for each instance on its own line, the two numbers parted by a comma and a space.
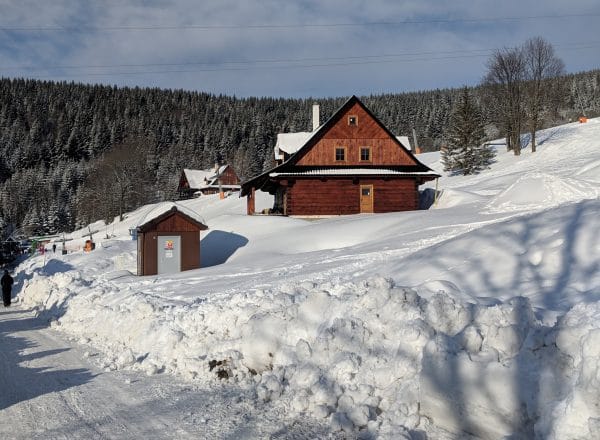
478, 317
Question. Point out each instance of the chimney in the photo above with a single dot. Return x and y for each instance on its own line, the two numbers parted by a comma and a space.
315, 114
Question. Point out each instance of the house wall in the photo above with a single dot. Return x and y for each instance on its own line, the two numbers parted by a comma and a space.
175, 223
183, 182
190, 251
229, 177
367, 133
149, 256
184, 189
342, 196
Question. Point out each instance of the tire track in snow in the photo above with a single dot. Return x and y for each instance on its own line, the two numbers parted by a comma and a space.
49, 389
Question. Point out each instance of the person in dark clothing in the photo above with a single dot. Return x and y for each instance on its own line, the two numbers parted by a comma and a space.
54, 248
7, 282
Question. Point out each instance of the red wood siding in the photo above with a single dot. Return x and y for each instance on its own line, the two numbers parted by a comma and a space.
190, 250
367, 133
183, 182
229, 177
342, 196
395, 195
149, 256
175, 223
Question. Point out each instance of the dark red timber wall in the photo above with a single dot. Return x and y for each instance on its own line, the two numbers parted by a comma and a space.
342, 196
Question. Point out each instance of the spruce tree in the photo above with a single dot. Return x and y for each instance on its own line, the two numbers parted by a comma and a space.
465, 152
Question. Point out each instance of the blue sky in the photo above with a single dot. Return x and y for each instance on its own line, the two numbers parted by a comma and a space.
293, 48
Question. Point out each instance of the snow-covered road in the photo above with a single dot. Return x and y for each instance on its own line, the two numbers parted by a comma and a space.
51, 388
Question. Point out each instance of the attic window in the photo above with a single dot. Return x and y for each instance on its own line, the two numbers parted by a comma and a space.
352, 120
340, 154
365, 154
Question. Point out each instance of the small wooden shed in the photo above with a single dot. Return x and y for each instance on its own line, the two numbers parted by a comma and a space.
169, 242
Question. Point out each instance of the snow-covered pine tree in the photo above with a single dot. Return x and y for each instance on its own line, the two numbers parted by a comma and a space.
465, 152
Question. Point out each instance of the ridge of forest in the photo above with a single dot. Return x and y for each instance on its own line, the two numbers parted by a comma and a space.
73, 153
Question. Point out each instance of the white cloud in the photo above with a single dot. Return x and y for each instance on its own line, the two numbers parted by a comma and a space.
95, 36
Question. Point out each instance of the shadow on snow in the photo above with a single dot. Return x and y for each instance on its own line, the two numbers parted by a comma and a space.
20, 383
217, 246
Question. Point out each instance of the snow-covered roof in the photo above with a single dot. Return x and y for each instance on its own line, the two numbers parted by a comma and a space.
404, 141
355, 171
200, 179
162, 208
290, 142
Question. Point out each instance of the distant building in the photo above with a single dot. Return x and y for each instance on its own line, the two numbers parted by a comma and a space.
351, 164
221, 178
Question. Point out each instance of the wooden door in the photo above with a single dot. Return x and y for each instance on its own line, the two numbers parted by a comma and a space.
366, 198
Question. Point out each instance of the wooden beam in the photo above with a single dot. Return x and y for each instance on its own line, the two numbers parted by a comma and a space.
250, 202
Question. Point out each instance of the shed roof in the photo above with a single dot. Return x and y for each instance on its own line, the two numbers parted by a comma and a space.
159, 212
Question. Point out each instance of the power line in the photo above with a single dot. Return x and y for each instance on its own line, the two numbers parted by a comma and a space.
291, 62
232, 69
284, 67
245, 62
288, 26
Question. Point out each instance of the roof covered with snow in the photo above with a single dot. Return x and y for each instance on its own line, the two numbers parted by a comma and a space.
354, 172
404, 141
200, 179
290, 143
155, 211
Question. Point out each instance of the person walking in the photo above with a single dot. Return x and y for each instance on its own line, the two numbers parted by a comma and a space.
7, 282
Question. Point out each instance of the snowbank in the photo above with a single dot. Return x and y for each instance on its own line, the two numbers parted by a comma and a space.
573, 394
371, 357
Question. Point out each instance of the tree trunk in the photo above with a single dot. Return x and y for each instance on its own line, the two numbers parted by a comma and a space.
516, 142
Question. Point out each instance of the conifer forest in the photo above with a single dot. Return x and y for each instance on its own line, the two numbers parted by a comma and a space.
73, 153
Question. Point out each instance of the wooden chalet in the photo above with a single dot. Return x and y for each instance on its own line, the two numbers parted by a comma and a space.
351, 164
221, 178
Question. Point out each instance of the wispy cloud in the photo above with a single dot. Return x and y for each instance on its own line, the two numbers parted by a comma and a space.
283, 48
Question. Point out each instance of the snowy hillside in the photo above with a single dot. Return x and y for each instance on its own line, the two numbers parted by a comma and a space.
480, 315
